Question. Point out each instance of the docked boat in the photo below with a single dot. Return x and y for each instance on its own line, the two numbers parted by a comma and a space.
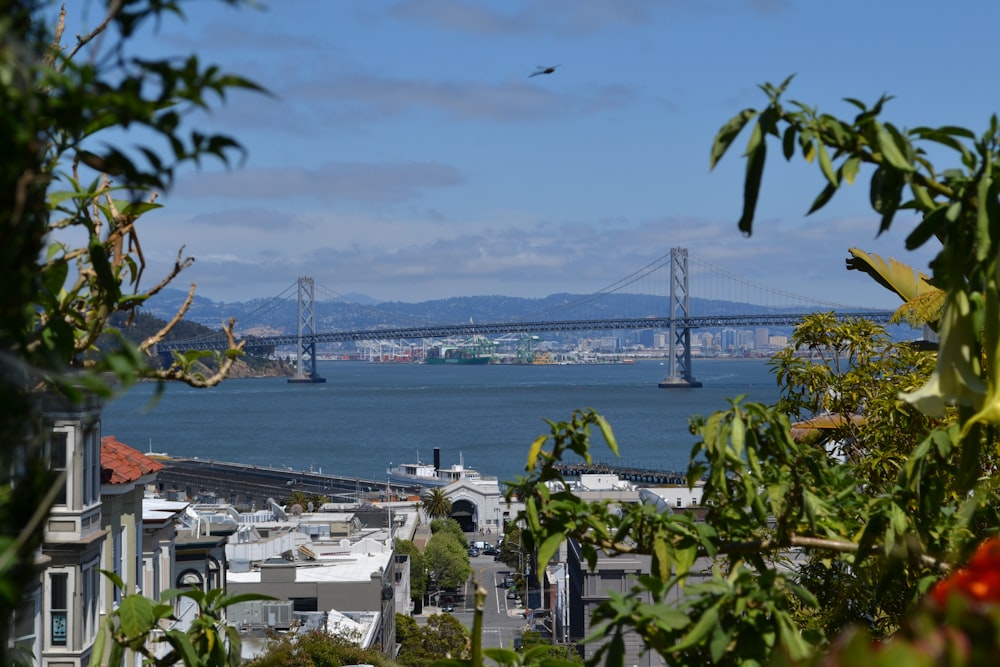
430, 474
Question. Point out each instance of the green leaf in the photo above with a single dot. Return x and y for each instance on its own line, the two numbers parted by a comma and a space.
890, 151
720, 641
823, 198
534, 450
725, 136
983, 242
609, 436
662, 555
886, 193
751, 187
696, 635
933, 223
548, 549
736, 435
849, 170
788, 141
135, 615
826, 166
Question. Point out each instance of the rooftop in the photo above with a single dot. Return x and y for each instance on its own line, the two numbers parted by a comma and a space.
121, 464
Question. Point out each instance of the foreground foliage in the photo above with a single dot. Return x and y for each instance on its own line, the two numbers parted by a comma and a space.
805, 538
71, 198
136, 625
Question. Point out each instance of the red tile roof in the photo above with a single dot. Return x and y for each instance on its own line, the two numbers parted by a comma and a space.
121, 464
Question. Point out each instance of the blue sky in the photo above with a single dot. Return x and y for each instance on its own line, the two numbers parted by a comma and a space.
406, 154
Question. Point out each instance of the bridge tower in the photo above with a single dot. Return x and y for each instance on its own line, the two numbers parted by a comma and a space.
680, 336
306, 347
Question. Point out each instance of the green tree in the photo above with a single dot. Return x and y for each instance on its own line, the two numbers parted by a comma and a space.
443, 637
451, 527
316, 649
446, 560
511, 551
436, 503
418, 570
538, 649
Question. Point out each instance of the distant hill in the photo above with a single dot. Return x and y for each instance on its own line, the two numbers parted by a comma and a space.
145, 325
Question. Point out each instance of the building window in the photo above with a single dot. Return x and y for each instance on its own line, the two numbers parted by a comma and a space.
91, 576
215, 576
58, 457
190, 579
24, 625
91, 468
116, 566
58, 607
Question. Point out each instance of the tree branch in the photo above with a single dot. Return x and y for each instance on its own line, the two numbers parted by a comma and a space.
114, 7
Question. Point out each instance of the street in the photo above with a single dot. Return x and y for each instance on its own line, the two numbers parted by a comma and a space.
503, 618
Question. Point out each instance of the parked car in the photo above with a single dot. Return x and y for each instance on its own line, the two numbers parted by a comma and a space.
473, 552
518, 644
511, 594
448, 607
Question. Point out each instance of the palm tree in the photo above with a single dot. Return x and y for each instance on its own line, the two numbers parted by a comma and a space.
436, 504
300, 498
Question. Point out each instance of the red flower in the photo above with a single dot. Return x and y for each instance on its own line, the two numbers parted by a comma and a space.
986, 556
978, 581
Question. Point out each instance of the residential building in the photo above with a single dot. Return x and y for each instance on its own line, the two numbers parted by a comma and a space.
68, 604
125, 472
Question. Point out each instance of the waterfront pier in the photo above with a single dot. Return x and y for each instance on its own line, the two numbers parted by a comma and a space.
245, 485
635, 475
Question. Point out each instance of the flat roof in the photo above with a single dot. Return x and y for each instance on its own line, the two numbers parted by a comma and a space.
347, 568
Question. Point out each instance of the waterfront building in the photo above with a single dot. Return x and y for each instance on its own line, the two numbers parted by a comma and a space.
479, 507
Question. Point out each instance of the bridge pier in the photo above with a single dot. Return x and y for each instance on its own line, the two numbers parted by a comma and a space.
306, 346
680, 337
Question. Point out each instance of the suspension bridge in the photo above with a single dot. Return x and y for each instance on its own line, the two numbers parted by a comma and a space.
677, 319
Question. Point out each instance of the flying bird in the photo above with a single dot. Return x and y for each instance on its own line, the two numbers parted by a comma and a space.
543, 70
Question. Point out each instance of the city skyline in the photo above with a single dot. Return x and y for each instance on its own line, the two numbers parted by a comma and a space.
407, 153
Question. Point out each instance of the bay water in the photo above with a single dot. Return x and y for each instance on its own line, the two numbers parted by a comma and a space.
366, 417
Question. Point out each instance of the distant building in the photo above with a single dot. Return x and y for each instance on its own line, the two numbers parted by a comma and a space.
324, 564
760, 338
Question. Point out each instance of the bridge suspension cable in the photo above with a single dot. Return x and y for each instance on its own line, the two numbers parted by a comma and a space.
763, 289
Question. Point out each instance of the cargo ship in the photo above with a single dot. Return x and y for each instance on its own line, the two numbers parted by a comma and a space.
454, 354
